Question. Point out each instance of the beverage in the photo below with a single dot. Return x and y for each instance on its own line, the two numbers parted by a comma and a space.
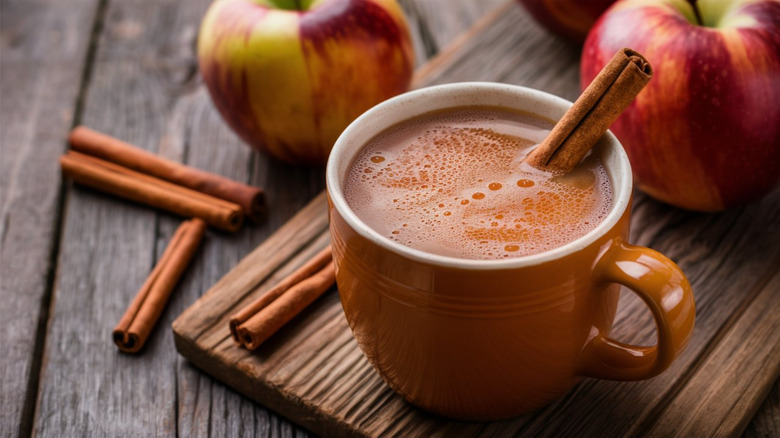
453, 183
477, 339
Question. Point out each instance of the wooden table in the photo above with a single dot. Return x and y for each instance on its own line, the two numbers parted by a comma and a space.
72, 259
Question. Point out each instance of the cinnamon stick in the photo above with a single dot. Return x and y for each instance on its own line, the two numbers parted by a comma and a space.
134, 327
256, 322
120, 181
588, 119
251, 199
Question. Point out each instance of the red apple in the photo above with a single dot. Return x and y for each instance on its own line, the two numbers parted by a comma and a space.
569, 18
289, 75
705, 132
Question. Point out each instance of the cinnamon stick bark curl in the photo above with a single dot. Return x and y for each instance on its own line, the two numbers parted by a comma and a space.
256, 322
136, 324
593, 112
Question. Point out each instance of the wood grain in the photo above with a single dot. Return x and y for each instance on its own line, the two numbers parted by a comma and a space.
44, 46
325, 384
766, 423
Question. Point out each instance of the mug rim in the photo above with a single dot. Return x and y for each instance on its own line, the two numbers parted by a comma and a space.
621, 186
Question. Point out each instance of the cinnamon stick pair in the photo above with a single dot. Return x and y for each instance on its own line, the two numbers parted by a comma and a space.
610, 93
142, 314
121, 181
89, 142
105, 163
256, 322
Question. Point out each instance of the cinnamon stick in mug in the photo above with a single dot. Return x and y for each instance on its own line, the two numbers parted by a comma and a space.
610, 93
120, 181
136, 324
256, 322
251, 199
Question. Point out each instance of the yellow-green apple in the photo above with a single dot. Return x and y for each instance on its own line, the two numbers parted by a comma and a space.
569, 18
289, 75
705, 132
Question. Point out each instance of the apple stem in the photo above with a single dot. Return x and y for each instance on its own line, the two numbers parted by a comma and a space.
696, 12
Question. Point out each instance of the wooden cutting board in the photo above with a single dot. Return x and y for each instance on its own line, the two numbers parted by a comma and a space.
313, 372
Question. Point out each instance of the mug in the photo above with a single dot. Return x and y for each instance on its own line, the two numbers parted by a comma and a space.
490, 339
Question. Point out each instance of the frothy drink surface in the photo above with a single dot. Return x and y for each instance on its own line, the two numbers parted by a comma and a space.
453, 183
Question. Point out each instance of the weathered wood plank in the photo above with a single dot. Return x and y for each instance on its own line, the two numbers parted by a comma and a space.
142, 70
325, 379
44, 45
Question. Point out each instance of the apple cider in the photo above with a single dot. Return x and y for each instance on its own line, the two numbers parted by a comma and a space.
453, 183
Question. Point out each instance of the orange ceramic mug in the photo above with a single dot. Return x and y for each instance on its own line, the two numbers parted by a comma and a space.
489, 339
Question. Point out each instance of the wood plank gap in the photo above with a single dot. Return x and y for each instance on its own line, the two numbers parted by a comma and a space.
211, 415
647, 422
252, 165
228, 337
32, 392
427, 40
176, 398
89, 62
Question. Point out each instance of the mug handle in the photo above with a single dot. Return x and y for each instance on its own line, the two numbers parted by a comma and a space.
666, 291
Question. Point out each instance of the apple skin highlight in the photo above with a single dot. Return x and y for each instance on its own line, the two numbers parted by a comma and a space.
289, 81
705, 133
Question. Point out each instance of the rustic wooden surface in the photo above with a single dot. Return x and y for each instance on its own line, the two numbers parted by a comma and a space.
72, 259
314, 373
43, 54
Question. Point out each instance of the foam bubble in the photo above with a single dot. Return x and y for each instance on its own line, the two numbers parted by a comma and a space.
419, 193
